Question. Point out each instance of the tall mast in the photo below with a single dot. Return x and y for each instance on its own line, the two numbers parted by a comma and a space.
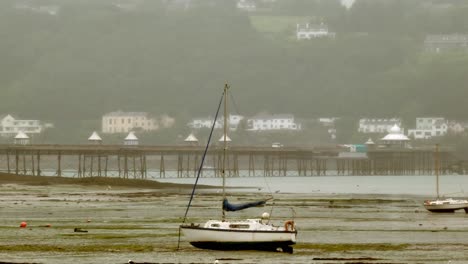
226, 87
436, 167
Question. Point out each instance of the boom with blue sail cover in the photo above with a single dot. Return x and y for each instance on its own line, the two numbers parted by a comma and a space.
237, 207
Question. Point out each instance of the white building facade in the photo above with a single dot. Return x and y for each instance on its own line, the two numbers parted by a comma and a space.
427, 127
10, 126
233, 122
312, 31
124, 122
272, 122
377, 125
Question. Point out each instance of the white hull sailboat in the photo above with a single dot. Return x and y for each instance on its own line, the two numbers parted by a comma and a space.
443, 205
246, 234
448, 205
241, 235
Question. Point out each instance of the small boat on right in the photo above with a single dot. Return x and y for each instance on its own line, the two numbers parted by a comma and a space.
443, 205
447, 205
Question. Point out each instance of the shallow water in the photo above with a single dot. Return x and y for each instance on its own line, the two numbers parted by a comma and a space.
398, 185
142, 225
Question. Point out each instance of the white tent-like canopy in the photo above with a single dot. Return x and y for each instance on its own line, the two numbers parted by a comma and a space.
395, 135
191, 138
227, 138
396, 138
131, 139
21, 138
21, 135
95, 137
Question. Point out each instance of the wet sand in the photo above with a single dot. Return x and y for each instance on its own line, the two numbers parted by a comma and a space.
141, 224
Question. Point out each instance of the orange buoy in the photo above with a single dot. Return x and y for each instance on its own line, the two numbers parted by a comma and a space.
48, 225
23, 224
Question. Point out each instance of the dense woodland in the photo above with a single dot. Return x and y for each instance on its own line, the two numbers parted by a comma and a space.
94, 57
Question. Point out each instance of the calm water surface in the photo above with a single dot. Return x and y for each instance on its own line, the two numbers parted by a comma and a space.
450, 185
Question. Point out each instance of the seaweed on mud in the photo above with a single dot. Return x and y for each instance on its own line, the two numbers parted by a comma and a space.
77, 248
352, 247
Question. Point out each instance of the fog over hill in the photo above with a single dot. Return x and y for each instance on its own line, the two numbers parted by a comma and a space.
64, 59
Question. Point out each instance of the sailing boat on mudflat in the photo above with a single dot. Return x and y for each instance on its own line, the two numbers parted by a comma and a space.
237, 234
440, 204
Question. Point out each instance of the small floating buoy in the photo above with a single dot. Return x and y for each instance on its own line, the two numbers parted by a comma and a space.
48, 225
89, 220
23, 224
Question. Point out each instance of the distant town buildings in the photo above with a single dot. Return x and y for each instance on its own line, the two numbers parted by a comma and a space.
124, 122
377, 125
207, 122
446, 42
52, 10
427, 127
10, 126
308, 31
262, 122
272, 122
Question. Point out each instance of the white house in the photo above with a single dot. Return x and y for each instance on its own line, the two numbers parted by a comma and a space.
313, 31
446, 42
233, 122
377, 125
247, 5
427, 127
124, 122
10, 126
327, 121
272, 122
456, 127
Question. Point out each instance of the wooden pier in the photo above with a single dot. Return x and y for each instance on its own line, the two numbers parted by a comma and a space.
184, 161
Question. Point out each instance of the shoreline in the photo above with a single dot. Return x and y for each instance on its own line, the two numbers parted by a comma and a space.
6, 178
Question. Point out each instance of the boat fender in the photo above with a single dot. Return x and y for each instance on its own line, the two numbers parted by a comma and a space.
289, 225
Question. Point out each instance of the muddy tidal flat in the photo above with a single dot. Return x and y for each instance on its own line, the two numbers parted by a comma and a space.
118, 224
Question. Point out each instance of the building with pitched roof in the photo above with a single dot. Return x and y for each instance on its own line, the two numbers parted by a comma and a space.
10, 125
